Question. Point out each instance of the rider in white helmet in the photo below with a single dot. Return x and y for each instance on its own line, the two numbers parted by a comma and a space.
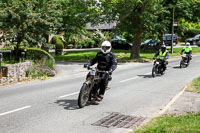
106, 61
106, 47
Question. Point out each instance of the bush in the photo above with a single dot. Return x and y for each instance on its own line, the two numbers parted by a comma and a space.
48, 46
37, 54
40, 70
57, 40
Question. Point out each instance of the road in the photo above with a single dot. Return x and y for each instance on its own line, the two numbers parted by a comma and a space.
50, 106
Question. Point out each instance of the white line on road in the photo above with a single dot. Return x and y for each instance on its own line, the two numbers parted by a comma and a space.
197, 61
172, 101
12, 111
129, 79
68, 95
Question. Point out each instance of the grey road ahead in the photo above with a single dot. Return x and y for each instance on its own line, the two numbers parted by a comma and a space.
51, 106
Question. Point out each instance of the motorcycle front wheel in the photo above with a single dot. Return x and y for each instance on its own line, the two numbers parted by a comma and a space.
181, 64
153, 72
83, 95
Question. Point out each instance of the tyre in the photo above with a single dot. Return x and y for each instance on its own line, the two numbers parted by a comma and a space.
181, 64
83, 95
162, 72
153, 72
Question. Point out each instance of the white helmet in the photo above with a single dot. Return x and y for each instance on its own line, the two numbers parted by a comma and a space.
187, 44
106, 47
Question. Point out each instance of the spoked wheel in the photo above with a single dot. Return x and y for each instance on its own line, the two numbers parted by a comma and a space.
83, 96
153, 72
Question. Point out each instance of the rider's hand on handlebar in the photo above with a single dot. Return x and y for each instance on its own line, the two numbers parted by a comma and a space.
85, 65
154, 58
110, 72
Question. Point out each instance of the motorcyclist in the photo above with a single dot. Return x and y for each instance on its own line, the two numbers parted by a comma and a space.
188, 51
107, 62
162, 54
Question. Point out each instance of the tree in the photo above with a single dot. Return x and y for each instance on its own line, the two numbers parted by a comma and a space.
76, 14
136, 17
29, 21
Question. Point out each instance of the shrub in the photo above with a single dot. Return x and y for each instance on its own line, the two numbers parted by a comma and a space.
57, 40
37, 54
40, 70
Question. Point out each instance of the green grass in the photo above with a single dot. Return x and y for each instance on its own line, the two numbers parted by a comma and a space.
194, 85
188, 123
80, 56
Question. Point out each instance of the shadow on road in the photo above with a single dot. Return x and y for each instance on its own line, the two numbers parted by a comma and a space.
145, 76
177, 67
71, 104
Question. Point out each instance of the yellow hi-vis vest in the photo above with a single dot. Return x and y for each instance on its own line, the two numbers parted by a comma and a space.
187, 49
162, 55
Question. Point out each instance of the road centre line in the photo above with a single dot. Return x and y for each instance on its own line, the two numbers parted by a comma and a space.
68, 95
129, 79
12, 111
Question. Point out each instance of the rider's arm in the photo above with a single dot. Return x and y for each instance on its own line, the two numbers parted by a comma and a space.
166, 56
182, 51
93, 61
114, 63
157, 53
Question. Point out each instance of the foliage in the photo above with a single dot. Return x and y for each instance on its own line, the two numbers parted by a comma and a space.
40, 70
36, 54
31, 21
140, 18
47, 46
57, 40
86, 39
188, 123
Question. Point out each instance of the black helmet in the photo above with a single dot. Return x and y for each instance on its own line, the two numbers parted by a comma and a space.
163, 47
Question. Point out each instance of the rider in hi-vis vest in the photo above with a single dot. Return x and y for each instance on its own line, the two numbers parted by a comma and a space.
188, 51
162, 54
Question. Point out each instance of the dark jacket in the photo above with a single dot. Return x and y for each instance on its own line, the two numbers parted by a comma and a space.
107, 62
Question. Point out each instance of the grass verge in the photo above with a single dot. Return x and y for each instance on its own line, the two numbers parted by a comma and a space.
188, 123
123, 54
194, 85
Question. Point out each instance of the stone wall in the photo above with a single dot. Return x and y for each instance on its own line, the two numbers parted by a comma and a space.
14, 73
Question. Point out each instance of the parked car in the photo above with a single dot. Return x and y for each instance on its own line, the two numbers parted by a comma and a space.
196, 40
150, 43
167, 39
120, 43
190, 40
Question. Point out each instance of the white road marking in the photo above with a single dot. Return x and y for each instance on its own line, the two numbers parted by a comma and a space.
172, 101
12, 111
129, 79
197, 61
68, 95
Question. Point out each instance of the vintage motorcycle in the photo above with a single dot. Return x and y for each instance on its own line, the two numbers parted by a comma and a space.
157, 68
92, 82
